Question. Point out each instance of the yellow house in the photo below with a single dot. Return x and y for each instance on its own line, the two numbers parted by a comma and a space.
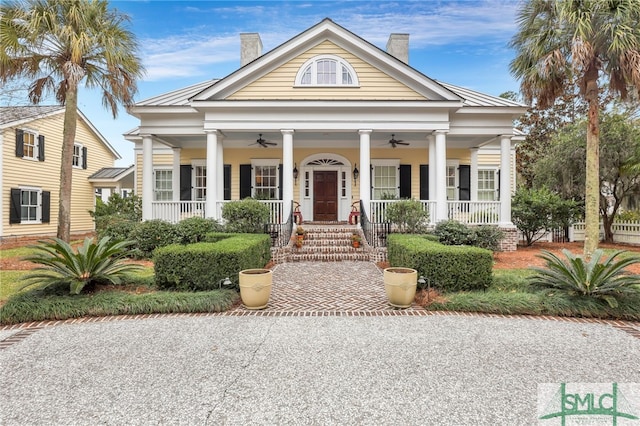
330, 122
30, 146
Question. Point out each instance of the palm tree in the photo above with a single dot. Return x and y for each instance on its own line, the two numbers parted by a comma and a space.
566, 42
56, 44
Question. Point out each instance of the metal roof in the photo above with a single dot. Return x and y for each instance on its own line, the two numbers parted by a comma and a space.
110, 172
478, 99
178, 97
11, 114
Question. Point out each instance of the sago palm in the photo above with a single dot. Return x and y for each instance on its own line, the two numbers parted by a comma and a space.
57, 44
92, 263
597, 277
561, 43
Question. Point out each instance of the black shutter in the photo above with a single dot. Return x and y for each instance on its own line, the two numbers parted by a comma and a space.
424, 181
405, 180
465, 183
280, 182
41, 148
227, 181
46, 206
245, 181
19, 146
84, 157
498, 186
185, 182
371, 183
14, 208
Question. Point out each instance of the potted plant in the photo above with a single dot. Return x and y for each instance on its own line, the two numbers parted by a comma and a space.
400, 285
255, 287
300, 232
356, 240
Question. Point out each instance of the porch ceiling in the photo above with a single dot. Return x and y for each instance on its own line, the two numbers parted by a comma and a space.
309, 139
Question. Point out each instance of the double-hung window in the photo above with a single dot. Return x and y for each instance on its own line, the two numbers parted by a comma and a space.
30, 205
487, 185
265, 179
385, 179
77, 155
30, 145
163, 184
452, 181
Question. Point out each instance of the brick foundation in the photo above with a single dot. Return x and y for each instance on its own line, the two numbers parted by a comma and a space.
510, 240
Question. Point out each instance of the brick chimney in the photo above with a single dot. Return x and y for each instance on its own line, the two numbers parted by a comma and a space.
250, 47
398, 46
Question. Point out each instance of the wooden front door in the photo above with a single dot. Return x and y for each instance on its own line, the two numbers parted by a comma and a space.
325, 195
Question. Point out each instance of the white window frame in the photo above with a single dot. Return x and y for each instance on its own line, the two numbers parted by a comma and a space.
456, 174
340, 64
265, 162
155, 183
38, 218
36, 144
385, 163
196, 164
79, 146
494, 171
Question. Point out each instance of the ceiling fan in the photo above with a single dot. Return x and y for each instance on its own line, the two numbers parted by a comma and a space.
393, 141
263, 143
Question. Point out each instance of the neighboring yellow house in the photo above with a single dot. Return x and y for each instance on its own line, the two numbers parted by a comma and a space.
31, 143
327, 120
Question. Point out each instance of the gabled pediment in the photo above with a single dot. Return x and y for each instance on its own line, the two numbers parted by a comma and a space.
378, 67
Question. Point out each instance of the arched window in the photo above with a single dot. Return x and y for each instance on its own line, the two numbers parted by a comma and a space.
326, 70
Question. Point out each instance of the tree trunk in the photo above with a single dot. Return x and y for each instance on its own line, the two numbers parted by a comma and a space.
66, 166
592, 182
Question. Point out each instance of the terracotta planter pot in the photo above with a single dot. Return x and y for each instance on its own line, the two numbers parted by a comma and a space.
400, 285
255, 287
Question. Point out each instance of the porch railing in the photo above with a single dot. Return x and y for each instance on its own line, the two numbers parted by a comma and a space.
374, 232
474, 212
379, 209
280, 232
175, 211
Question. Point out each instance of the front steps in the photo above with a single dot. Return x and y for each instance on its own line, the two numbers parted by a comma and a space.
328, 243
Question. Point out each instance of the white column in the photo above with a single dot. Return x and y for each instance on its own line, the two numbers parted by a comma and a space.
287, 172
432, 166
211, 163
441, 175
1, 183
175, 174
147, 177
220, 171
474, 174
365, 170
505, 181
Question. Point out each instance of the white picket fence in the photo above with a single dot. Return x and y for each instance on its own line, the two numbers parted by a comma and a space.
623, 232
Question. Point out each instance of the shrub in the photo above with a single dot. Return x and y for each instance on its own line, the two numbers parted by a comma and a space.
446, 267
194, 229
487, 237
536, 210
151, 234
453, 233
628, 216
117, 217
201, 266
245, 216
116, 227
408, 215
604, 279
91, 264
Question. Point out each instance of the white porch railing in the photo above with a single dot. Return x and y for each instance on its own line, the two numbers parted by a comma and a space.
474, 212
175, 211
470, 212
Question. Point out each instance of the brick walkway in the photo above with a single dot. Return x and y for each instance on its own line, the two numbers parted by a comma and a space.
324, 287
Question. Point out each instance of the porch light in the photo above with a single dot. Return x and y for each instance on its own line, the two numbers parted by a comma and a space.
356, 173
295, 172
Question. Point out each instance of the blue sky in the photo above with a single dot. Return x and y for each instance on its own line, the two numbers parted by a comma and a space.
183, 42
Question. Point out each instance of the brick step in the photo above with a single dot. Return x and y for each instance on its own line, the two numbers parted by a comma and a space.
313, 235
327, 249
327, 242
328, 257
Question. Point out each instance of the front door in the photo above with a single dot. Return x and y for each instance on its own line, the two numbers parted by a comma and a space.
325, 195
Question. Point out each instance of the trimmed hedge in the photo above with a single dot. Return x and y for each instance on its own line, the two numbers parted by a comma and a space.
449, 268
201, 266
